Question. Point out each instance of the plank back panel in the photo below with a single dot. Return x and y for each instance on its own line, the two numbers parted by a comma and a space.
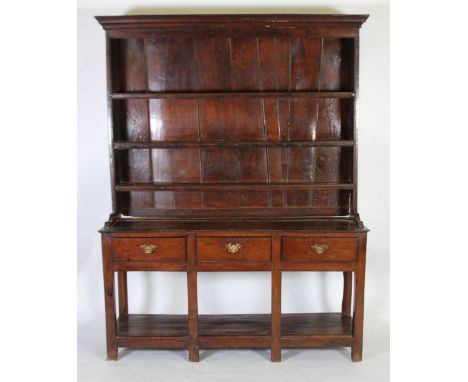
194, 64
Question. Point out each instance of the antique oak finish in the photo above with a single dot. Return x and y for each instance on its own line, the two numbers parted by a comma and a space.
233, 148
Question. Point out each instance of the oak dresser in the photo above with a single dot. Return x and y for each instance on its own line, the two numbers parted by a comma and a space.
232, 142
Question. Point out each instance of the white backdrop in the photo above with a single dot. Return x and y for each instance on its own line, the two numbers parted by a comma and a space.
233, 292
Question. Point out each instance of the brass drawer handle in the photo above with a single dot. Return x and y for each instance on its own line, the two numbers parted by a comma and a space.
233, 248
319, 248
148, 248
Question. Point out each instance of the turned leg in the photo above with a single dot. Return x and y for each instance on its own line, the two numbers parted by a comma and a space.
358, 316
276, 302
123, 295
109, 299
193, 346
347, 293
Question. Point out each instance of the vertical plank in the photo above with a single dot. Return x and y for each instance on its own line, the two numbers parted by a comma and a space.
109, 297
221, 165
271, 119
180, 64
267, 63
305, 63
139, 170
358, 316
213, 64
245, 76
252, 165
136, 120
173, 119
193, 346
303, 119
157, 51
253, 169
329, 119
276, 300
176, 165
139, 161
123, 293
245, 64
276, 174
248, 119
217, 119
301, 164
282, 63
327, 164
347, 293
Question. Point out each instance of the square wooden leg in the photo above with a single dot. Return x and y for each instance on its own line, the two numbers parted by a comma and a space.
109, 300
276, 301
358, 316
123, 294
347, 293
276, 316
193, 346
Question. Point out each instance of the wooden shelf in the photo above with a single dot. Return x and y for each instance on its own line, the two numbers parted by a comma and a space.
198, 95
238, 330
126, 187
125, 145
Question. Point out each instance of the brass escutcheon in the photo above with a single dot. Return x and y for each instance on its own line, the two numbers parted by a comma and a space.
148, 248
319, 248
233, 248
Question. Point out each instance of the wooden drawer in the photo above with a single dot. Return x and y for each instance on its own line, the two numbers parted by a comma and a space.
149, 249
234, 248
318, 249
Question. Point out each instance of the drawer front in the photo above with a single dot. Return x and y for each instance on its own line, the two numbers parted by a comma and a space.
234, 248
149, 249
317, 249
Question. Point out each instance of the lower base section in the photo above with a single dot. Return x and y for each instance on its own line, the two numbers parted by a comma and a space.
234, 331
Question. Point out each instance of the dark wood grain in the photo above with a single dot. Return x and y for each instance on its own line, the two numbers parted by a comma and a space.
343, 226
109, 298
347, 293
235, 129
251, 249
193, 338
334, 249
276, 300
292, 324
165, 249
123, 293
358, 315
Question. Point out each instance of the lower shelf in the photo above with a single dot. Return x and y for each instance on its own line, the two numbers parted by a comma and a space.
234, 331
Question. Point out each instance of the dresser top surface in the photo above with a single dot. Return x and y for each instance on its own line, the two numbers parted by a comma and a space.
323, 225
